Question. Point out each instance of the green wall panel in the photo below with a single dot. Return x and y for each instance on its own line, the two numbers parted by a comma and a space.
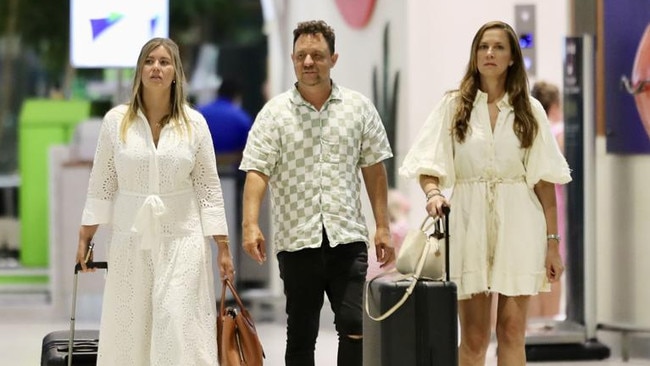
42, 123
24, 280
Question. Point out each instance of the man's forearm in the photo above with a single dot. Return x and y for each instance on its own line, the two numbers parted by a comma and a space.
254, 191
376, 182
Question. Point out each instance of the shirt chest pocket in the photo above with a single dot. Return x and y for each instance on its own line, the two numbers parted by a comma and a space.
331, 149
324, 141
340, 143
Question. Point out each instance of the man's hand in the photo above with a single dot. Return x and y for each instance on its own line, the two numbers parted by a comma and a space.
254, 243
383, 247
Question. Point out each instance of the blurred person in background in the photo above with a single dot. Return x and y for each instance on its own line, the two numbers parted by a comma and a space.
547, 304
229, 123
154, 180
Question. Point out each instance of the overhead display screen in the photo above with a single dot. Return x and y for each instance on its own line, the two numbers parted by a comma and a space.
111, 33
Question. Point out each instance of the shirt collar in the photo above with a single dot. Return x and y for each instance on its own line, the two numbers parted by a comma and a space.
297, 99
482, 97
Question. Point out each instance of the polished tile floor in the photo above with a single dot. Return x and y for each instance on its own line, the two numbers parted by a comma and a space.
22, 328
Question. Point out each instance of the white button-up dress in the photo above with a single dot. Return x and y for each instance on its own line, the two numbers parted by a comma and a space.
497, 225
161, 202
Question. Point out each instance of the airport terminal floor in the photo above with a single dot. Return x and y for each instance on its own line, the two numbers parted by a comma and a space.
23, 326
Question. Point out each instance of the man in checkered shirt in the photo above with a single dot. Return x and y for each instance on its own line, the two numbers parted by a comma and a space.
309, 145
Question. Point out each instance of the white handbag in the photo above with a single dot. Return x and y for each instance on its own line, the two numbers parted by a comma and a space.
422, 255
418, 245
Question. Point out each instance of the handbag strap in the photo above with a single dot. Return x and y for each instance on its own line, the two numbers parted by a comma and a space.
415, 276
394, 308
426, 227
225, 283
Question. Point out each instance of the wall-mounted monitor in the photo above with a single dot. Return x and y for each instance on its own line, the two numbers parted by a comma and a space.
526, 40
111, 33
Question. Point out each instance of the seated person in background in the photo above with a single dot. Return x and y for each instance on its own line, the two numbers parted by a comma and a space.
229, 123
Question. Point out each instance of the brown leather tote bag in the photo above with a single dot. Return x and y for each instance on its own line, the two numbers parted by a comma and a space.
237, 340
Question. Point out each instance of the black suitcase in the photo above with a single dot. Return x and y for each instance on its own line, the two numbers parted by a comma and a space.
56, 345
421, 332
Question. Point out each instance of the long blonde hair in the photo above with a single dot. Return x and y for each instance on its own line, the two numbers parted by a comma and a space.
525, 125
178, 100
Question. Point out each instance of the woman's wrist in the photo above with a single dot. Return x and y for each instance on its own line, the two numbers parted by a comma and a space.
553, 241
436, 195
555, 237
433, 193
223, 248
222, 240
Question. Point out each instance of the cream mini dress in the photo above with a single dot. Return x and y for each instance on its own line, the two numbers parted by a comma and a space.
497, 225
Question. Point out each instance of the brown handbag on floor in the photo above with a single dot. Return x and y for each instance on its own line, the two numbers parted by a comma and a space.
237, 340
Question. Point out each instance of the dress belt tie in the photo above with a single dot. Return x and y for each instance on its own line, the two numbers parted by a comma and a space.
147, 221
491, 184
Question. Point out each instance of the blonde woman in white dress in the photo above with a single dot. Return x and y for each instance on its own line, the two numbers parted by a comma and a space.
155, 181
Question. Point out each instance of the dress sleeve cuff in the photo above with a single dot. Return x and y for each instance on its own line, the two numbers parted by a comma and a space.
97, 212
213, 221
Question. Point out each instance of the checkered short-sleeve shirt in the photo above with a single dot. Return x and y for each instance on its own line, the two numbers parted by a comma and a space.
313, 160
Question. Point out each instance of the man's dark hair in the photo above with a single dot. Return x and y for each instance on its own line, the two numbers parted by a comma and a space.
313, 27
229, 88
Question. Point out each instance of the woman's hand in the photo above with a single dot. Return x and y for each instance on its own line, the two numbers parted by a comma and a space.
84, 254
435, 205
224, 258
435, 199
86, 233
554, 265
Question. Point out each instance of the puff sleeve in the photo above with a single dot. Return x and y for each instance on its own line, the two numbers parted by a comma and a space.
432, 153
544, 160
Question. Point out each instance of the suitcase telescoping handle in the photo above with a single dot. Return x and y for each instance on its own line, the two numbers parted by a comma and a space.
445, 211
77, 269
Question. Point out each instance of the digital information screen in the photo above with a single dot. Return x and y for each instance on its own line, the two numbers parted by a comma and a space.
526, 40
111, 33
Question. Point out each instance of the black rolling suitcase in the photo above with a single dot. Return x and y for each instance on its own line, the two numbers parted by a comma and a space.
423, 331
56, 345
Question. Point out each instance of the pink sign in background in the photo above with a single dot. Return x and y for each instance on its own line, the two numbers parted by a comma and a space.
356, 13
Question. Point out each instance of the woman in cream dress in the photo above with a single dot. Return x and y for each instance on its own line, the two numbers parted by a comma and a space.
492, 144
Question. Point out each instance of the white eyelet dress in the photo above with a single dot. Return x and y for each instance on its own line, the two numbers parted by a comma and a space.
161, 202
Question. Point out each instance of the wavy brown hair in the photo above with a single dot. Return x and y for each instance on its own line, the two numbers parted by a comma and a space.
525, 125
178, 97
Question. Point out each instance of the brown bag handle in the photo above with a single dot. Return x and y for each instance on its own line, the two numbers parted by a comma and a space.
226, 283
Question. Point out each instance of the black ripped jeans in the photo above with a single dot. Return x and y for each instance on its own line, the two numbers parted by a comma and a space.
308, 274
